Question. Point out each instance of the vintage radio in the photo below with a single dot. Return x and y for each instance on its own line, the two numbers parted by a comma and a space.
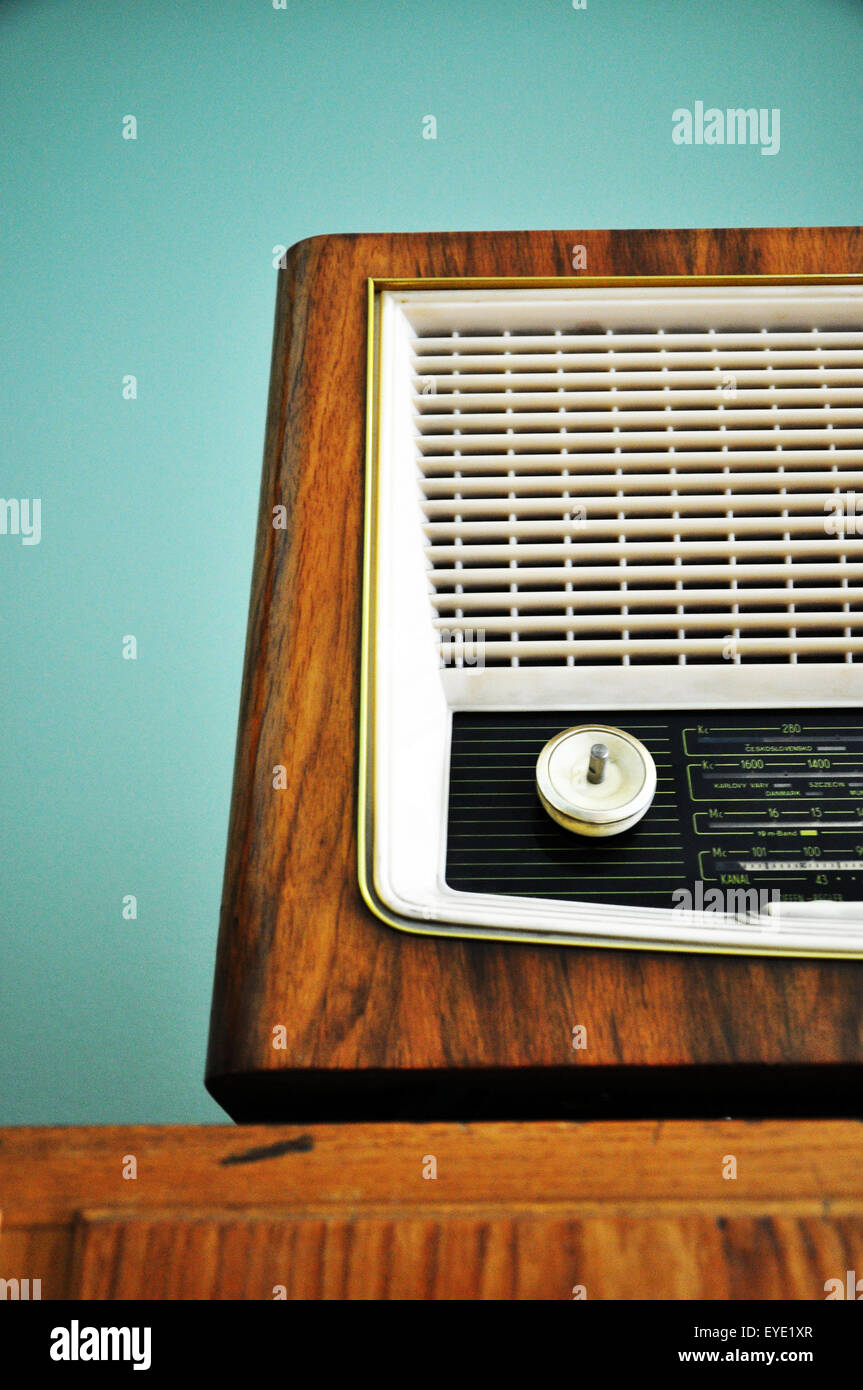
554, 646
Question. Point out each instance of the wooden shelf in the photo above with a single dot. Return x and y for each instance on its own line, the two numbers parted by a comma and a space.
516, 1211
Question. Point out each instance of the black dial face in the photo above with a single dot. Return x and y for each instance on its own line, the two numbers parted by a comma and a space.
763, 803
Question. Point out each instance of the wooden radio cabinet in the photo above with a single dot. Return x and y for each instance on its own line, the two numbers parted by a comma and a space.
323, 1012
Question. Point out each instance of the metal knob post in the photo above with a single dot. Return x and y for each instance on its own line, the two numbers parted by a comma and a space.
596, 766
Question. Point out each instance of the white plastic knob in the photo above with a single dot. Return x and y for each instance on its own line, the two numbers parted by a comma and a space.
595, 780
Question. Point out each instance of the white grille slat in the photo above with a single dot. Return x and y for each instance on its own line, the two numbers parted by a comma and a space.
586, 440
652, 503
649, 574
497, 343
659, 622
642, 475
543, 488
426, 369
550, 600
494, 386
837, 647
568, 407
483, 532
487, 465
641, 550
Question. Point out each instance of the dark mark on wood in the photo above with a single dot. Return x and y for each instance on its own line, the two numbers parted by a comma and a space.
302, 1145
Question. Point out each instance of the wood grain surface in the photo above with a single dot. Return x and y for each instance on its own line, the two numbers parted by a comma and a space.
382, 1024
515, 1211
451, 1255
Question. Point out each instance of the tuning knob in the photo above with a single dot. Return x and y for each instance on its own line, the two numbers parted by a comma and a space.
595, 780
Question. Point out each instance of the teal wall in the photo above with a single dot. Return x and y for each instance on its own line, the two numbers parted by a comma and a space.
153, 257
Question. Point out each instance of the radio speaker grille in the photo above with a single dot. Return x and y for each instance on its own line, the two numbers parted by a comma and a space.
656, 477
